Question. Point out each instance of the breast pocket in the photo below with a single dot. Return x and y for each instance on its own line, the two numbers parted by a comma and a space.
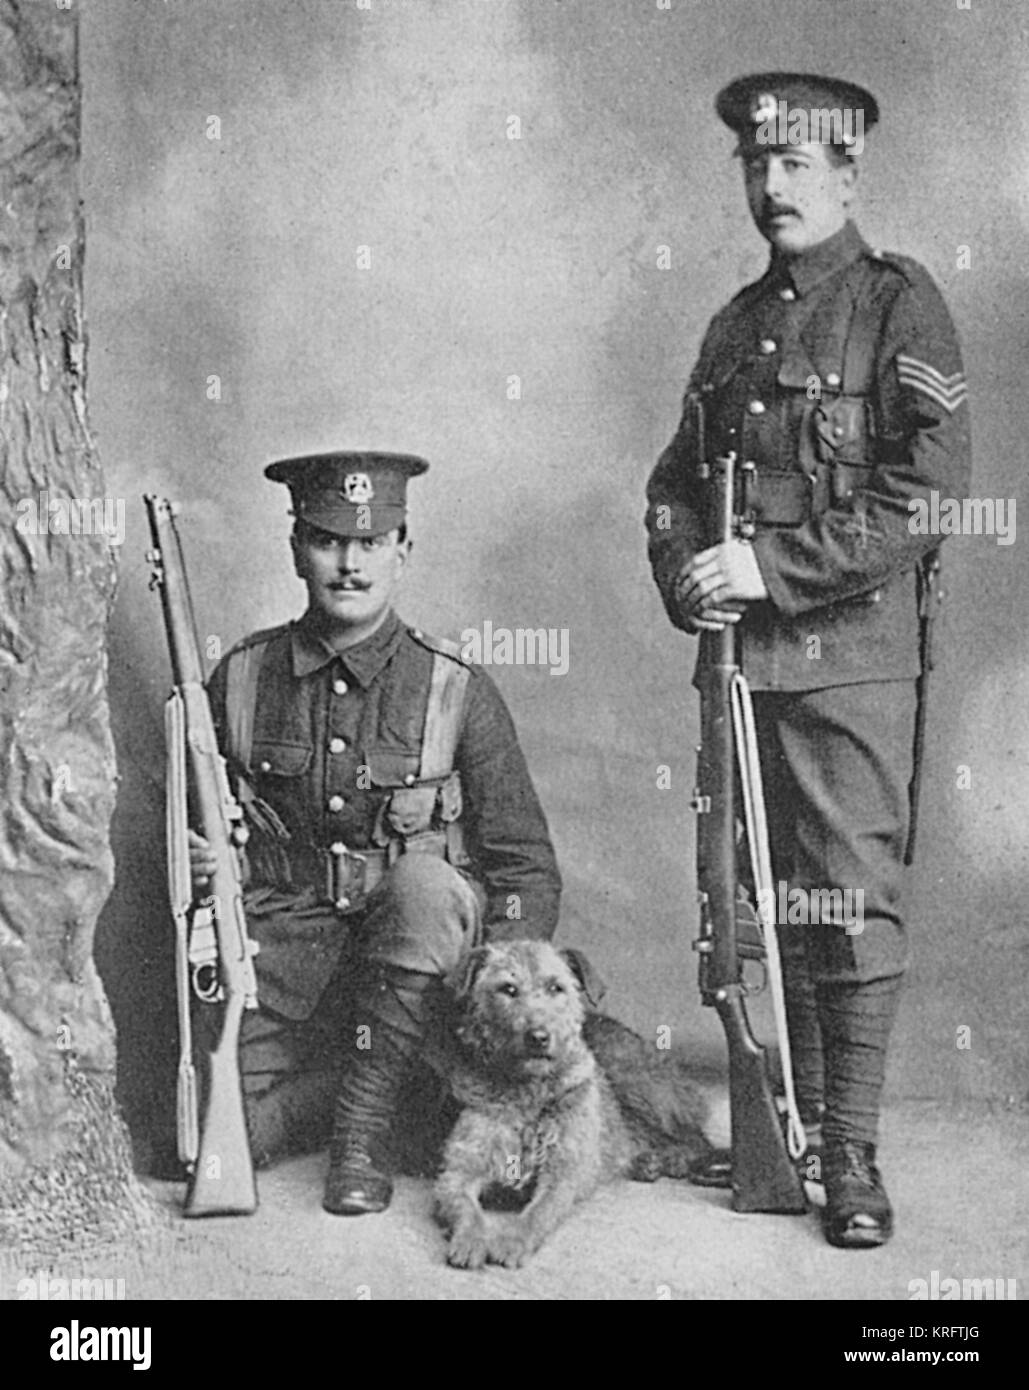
273, 760
278, 773
278, 812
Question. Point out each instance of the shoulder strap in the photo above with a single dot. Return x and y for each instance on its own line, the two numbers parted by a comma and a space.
865, 329
443, 715
242, 670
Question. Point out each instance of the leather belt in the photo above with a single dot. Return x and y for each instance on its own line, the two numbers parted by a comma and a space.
350, 876
342, 876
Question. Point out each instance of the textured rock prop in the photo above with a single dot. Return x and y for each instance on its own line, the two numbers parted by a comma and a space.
65, 1169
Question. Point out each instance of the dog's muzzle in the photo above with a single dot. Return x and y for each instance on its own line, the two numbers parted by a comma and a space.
537, 1042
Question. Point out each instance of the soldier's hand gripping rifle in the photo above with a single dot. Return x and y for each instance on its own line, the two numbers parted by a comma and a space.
214, 955
764, 1177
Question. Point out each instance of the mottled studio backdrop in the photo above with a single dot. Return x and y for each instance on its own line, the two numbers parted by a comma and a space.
322, 205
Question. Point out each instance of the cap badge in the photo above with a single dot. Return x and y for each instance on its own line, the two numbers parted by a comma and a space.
357, 488
765, 108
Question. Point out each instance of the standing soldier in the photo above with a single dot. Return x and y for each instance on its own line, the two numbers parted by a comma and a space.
836, 380
392, 823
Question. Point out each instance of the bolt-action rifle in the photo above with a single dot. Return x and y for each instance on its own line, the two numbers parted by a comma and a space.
764, 1178
214, 968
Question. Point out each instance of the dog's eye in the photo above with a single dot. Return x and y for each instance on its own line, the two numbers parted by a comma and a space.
555, 987
509, 989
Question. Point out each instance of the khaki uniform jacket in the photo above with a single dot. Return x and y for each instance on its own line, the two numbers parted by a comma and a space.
334, 735
838, 376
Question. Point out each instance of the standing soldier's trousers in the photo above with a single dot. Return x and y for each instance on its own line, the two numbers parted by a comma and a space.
836, 764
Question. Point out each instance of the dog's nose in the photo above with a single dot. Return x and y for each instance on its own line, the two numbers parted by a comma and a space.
538, 1039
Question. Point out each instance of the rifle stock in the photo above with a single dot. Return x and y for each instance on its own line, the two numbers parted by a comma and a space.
764, 1177
214, 955
223, 1179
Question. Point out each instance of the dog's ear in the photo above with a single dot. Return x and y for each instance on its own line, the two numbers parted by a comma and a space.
460, 982
590, 982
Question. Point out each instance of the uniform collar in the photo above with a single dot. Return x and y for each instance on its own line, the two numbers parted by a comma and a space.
363, 662
810, 267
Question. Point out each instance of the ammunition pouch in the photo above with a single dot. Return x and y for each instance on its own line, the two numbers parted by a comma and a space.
833, 444
415, 807
418, 814
413, 818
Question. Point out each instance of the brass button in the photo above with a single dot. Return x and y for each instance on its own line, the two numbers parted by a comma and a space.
838, 431
337, 745
787, 294
336, 804
266, 766
768, 346
410, 780
339, 687
832, 379
756, 407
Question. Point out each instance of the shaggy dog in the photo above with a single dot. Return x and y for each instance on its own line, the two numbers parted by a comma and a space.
557, 1100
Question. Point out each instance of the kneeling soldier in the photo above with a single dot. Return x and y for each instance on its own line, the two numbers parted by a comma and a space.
393, 825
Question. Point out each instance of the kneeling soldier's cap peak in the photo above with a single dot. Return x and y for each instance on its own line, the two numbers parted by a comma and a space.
751, 103
349, 494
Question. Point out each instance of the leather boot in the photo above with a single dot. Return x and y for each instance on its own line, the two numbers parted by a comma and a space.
391, 1004
856, 1020
857, 1213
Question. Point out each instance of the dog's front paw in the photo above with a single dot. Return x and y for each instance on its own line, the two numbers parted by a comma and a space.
468, 1247
509, 1246
646, 1167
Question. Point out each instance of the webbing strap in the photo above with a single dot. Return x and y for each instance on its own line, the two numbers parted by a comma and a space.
443, 716
241, 675
861, 348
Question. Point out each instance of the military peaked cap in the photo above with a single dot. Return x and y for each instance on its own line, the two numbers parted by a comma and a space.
781, 108
349, 494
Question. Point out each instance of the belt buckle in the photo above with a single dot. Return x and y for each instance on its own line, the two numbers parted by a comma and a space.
346, 874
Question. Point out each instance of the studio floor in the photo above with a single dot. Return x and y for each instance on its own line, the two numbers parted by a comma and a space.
958, 1176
